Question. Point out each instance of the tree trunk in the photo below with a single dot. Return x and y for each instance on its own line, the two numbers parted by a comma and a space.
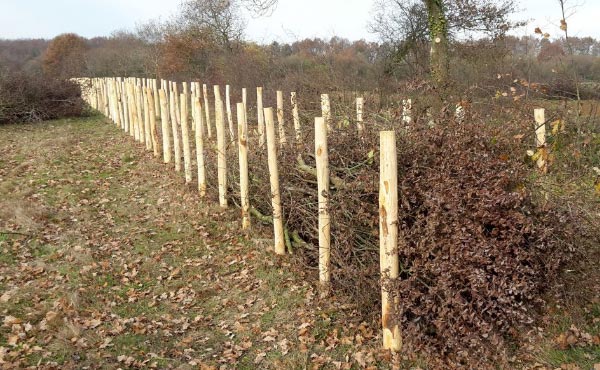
438, 31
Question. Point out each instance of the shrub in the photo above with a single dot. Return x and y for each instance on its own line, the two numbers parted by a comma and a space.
32, 98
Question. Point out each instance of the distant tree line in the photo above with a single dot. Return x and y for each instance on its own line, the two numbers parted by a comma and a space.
205, 41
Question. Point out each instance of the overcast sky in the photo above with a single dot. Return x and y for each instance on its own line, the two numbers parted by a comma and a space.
291, 20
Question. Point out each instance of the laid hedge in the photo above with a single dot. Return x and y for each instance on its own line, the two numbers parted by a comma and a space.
34, 97
477, 254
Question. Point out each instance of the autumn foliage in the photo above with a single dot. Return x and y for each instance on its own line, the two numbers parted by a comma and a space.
66, 56
477, 253
33, 98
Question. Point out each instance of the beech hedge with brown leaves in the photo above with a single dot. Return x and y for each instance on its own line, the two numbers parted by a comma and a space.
33, 98
476, 252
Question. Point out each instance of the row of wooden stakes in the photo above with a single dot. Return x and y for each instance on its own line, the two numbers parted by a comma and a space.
132, 104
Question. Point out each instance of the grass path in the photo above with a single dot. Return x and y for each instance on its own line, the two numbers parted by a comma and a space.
107, 260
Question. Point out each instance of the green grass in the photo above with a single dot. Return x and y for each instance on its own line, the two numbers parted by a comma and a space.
585, 358
586, 318
7, 257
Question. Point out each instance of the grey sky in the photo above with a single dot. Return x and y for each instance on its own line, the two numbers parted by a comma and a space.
291, 20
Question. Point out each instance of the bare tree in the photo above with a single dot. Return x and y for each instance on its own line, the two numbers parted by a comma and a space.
564, 28
403, 26
441, 22
438, 31
224, 18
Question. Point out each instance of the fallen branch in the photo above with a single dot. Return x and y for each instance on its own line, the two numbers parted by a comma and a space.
337, 182
289, 238
15, 233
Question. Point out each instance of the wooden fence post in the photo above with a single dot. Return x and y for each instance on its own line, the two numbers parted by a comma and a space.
147, 136
132, 113
245, 98
200, 147
260, 114
296, 116
193, 104
117, 107
280, 122
245, 102
153, 130
105, 97
228, 107
166, 135
135, 132
125, 101
134, 102
221, 148
388, 237
540, 138
243, 159
177, 104
140, 113
407, 111
359, 115
326, 110
155, 95
274, 179
120, 103
322, 160
185, 137
207, 110
175, 130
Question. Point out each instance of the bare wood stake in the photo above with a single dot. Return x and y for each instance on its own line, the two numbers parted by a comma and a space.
105, 97
140, 114
155, 94
166, 135
221, 148
388, 237
326, 110
195, 95
274, 178
200, 148
133, 111
192, 104
245, 99
175, 130
185, 137
126, 115
296, 115
322, 159
229, 116
136, 128
147, 135
121, 100
117, 108
407, 111
280, 122
177, 104
260, 117
540, 138
153, 129
359, 115
243, 159
245, 102
207, 111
